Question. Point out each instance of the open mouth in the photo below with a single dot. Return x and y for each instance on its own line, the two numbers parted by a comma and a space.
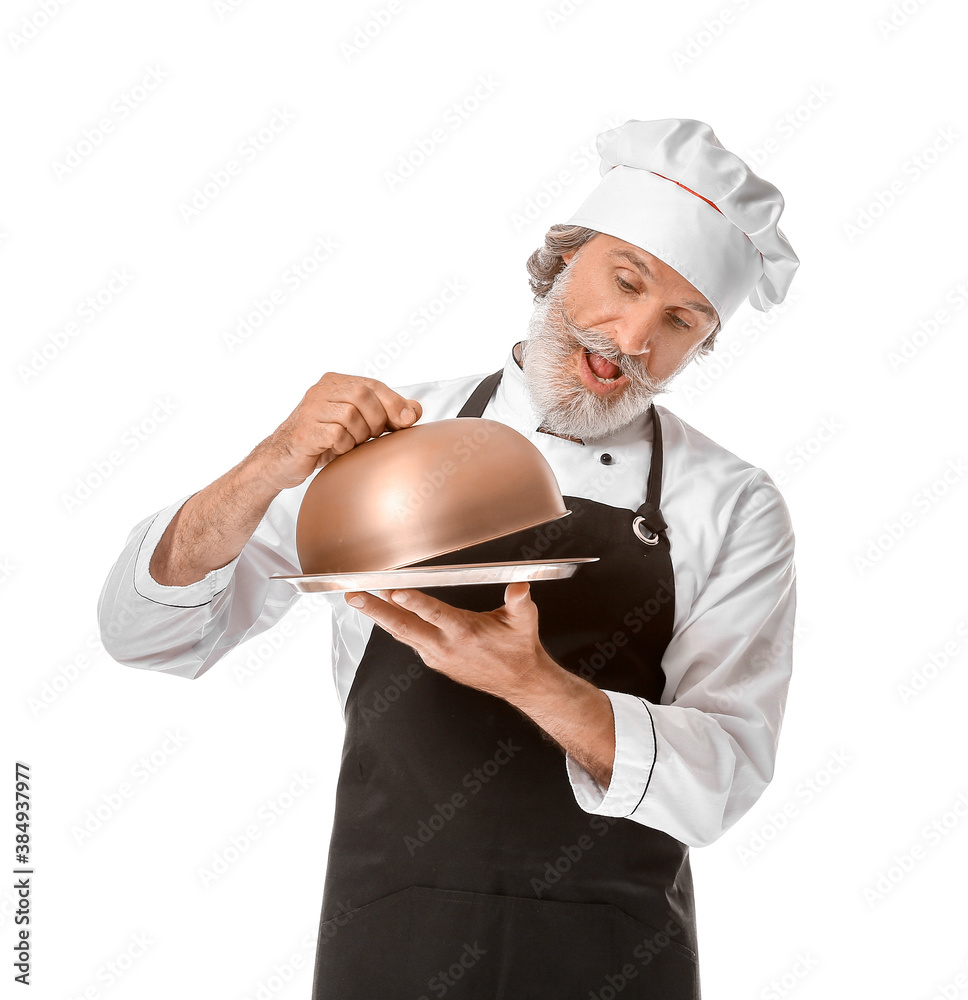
600, 374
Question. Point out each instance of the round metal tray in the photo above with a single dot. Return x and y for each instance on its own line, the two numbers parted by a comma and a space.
438, 576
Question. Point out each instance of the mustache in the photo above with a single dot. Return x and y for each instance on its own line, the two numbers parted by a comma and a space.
598, 343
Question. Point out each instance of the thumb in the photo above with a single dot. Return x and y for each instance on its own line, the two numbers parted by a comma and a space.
517, 597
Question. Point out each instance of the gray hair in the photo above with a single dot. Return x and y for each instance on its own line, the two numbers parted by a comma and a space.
546, 263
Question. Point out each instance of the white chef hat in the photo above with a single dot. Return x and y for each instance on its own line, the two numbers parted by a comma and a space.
671, 188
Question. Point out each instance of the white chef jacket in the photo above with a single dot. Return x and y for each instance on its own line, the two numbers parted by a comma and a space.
690, 765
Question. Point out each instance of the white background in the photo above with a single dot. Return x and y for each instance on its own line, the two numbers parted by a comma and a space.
835, 883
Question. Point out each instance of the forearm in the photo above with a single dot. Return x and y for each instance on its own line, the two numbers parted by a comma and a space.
212, 526
574, 713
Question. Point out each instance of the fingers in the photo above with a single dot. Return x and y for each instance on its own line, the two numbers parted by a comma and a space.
335, 415
379, 406
402, 623
340, 412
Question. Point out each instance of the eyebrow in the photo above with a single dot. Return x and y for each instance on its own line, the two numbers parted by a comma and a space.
639, 263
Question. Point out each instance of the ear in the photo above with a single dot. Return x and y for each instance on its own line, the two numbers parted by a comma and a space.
567, 255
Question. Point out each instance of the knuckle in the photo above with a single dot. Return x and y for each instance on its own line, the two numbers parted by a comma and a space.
358, 390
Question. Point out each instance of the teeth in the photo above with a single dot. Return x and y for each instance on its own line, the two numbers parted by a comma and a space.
604, 381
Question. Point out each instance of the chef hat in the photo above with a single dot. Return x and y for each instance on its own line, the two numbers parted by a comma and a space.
671, 188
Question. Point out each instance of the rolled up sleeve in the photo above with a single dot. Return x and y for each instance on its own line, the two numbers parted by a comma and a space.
189, 596
693, 766
184, 631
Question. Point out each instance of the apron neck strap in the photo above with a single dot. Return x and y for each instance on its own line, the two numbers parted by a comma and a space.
649, 511
477, 400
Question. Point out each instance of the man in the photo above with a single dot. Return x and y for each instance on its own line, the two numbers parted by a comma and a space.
468, 855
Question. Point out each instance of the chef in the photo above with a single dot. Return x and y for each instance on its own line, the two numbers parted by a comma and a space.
526, 768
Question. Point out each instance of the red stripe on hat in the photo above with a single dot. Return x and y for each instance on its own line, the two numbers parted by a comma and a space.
698, 195
708, 202
690, 190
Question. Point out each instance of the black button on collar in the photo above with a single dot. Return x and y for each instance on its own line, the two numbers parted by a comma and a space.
606, 459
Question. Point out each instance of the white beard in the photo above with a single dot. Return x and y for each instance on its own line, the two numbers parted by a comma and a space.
566, 405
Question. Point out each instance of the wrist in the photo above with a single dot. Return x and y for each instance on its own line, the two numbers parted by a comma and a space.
575, 713
540, 684
251, 477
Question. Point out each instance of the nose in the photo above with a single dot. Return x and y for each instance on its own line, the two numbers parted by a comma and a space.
636, 330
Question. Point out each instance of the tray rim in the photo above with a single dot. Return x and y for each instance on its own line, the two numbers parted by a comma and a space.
402, 573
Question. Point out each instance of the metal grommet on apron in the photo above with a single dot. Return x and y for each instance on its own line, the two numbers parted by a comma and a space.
459, 861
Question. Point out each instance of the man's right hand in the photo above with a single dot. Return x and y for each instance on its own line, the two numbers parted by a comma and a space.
336, 414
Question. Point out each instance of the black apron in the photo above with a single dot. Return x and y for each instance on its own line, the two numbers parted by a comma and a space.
460, 863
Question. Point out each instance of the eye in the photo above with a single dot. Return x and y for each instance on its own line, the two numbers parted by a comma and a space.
679, 322
623, 284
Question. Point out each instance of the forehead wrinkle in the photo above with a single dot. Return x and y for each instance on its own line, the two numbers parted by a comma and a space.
634, 260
